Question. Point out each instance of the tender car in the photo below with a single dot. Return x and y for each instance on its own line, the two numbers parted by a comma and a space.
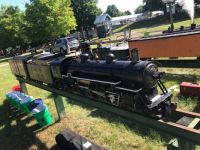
65, 45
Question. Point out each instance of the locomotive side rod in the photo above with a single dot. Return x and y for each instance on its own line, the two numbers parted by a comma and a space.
168, 126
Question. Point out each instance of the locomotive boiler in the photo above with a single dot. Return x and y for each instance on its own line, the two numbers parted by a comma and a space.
126, 84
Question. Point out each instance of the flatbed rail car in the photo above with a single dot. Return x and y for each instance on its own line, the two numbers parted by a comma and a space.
173, 45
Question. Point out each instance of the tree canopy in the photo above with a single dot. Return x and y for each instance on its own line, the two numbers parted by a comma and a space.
139, 10
44, 20
85, 12
197, 2
11, 27
48, 19
127, 13
113, 11
153, 5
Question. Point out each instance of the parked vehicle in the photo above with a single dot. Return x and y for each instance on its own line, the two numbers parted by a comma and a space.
65, 45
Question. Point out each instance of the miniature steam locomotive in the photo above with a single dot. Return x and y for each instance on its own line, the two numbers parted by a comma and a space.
131, 85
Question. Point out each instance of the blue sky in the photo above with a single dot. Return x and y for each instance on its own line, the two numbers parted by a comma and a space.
20, 3
121, 4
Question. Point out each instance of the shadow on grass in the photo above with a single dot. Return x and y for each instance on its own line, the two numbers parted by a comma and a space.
197, 108
50, 96
14, 133
55, 147
137, 128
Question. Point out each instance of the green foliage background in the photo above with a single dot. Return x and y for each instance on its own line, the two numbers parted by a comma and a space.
49, 19
11, 23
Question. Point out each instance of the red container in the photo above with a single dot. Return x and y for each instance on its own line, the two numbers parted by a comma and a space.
189, 89
17, 88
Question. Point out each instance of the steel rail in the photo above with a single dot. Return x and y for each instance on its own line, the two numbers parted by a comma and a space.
186, 113
167, 126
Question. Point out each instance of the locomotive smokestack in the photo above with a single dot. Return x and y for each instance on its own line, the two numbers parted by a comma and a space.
135, 55
84, 58
110, 58
182, 28
193, 26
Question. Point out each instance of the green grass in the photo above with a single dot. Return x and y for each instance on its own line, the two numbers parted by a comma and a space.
185, 103
113, 132
101, 127
155, 25
164, 26
121, 28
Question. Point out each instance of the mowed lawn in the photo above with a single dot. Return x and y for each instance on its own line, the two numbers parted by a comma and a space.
152, 27
20, 132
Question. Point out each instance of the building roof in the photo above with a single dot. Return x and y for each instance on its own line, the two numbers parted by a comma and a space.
125, 17
135, 16
101, 19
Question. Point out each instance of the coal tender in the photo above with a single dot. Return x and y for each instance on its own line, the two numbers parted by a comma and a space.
39, 68
131, 85
18, 65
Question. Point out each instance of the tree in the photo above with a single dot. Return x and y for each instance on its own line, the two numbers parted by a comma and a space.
85, 12
11, 27
113, 11
197, 2
127, 13
139, 10
153, 5
49, 19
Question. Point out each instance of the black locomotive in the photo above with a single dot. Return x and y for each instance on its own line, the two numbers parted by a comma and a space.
131, 85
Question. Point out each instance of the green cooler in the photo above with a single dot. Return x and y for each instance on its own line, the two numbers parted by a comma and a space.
41, 113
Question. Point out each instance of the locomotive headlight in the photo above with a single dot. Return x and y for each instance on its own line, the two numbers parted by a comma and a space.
152, 69
149, 75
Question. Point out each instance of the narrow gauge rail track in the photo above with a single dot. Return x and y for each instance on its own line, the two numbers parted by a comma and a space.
184, 123
181, 124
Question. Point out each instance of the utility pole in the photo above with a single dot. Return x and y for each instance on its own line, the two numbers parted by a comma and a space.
171, 16
170, 3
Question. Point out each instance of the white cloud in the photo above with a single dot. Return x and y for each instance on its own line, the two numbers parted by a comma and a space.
122, 5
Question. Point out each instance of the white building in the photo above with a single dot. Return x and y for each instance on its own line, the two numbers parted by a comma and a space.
135, 18
123, 19
103, 25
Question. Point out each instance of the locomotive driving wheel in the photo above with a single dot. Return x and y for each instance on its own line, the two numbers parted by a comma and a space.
113, 98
